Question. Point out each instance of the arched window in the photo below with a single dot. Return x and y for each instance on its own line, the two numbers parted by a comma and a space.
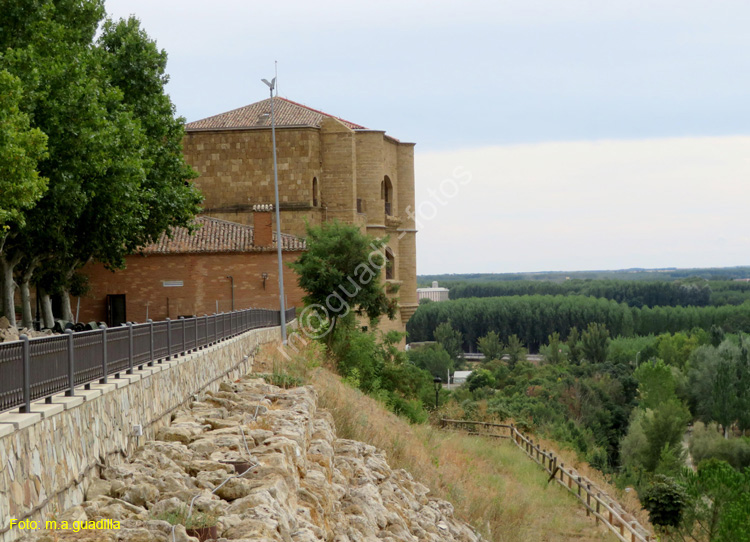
390, 264
386, 193
315, 193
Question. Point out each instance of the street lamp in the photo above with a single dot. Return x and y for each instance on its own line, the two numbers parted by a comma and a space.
438, 384
282, 308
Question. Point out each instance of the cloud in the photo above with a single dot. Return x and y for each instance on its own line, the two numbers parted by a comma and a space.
588, 205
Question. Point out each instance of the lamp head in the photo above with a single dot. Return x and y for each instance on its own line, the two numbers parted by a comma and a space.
272, 84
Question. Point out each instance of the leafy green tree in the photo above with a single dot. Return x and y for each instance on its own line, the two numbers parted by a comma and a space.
594, 343
651, 431
21, 148
340, 272
718, 504
117, 177
137, 67
555, 350
574, 345
491, 346
516, 350
450, 339
432, 358
656, 384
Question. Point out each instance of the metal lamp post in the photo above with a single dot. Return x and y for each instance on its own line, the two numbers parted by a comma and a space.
282, 307
438, 384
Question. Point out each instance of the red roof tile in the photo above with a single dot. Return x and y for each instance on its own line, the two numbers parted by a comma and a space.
258, 115
214, 235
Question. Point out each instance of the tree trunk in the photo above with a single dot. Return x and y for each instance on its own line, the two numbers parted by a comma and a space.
2, 297
67, 311
9, 288
27, 317
27, 314
47, 317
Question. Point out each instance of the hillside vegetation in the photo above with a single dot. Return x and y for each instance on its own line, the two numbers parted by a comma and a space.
491, 483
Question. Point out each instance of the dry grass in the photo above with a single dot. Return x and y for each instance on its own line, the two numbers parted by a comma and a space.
491, 483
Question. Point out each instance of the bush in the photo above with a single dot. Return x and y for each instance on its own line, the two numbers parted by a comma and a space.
664, 499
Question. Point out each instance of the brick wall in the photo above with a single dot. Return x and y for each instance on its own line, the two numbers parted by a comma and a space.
204, 278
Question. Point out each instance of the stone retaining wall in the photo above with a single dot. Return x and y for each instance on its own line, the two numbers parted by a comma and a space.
48, 457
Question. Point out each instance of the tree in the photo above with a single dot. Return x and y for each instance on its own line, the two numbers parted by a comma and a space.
516, 351
432, 358
554, 351
718, 503
21, 147
117, 178
340, 271
490, 346
651, 432
574, 345
594, 343
450, 339
656, 384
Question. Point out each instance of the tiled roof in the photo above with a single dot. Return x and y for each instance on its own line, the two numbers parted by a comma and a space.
258, 115
214, 235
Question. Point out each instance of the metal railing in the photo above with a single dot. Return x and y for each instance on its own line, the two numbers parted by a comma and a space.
32, 369
596, 502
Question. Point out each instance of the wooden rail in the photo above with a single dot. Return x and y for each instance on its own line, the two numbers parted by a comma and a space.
597, 503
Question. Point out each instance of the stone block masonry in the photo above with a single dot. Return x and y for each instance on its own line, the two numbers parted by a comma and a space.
46, 465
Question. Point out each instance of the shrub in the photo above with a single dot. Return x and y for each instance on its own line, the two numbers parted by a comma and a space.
665, 501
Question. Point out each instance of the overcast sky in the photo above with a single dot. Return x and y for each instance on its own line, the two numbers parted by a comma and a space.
597, 134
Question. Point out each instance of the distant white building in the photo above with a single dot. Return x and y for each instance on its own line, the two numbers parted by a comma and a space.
459, 377
433, 294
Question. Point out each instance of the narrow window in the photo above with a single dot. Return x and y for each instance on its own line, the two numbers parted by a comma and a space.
386, 192
315, 197
390, 264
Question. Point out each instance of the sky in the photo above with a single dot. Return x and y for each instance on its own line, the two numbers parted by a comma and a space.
596, 135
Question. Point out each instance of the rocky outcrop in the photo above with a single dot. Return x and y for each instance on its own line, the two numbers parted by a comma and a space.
297, 481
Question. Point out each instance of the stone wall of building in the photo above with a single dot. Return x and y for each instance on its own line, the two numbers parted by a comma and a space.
48, 458
236, 166
204, 279
350, 167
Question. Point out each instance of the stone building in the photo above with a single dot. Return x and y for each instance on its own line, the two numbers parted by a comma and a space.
329, 169
221, 266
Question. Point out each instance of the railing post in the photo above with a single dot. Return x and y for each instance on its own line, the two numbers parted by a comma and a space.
103, 379
588, 499
579, 486
71, 364
130, 349
169, 339
26, 375
183, 334
151, 342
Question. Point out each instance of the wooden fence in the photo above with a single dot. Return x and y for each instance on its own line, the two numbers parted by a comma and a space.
596, 502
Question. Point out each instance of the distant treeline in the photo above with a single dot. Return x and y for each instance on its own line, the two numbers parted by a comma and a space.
666, 275
533, 318
634, 293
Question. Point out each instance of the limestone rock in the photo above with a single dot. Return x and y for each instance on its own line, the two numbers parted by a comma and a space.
304, 484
